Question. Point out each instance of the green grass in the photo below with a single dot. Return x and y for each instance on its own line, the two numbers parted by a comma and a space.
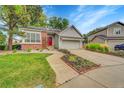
25, 70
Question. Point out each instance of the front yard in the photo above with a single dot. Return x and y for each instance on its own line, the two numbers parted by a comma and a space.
79, 64
25, 70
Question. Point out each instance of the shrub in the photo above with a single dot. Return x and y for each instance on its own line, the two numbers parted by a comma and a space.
97, 47
72, 58
14, 51
64, 51
4, 47
29, 50
17, 47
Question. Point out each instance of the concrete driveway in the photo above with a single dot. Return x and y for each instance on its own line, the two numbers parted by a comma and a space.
110, 74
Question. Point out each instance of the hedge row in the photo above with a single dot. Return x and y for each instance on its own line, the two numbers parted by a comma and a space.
4, 47
97, 47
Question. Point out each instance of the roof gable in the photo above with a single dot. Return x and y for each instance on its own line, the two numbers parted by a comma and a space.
106, 27
70, 32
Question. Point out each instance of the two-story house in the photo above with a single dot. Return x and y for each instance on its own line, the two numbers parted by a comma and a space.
111, 35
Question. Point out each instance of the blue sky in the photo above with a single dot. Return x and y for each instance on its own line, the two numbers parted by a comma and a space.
88, 17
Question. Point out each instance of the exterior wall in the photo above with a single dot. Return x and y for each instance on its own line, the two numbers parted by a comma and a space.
112, 43
111, 29
70, 32
43, 44
31, 46
104, 32
98, 40
56, 41
44, 39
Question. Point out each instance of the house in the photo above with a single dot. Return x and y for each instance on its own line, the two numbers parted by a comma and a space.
37, 38
111, 35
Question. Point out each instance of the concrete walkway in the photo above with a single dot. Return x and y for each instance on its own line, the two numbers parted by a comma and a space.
111, 74
62, 70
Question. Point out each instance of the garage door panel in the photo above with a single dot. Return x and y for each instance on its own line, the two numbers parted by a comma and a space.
68, 44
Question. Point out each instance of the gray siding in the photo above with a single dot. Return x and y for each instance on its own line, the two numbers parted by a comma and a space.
70, 32
104, 32
111, 29
98, 40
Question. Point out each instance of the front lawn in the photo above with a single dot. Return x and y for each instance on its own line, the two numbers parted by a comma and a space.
26, 70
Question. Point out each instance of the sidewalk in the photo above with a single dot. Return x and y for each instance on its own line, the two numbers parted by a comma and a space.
62, 70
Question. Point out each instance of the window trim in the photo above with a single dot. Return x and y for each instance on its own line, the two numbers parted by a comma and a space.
115, 31
30, 38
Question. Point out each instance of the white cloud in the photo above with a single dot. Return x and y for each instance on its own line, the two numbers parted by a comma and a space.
78, 17
77, 13
93, 17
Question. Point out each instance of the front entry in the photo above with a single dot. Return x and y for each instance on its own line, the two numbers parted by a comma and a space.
49, 41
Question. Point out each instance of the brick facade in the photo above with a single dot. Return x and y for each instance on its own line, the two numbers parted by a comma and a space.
37, 46
31, 46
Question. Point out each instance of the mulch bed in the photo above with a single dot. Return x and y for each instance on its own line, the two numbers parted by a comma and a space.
82, 69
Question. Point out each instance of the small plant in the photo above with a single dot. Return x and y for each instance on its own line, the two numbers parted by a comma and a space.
41, 50
37, 49
14, 51
72, 58
29, 50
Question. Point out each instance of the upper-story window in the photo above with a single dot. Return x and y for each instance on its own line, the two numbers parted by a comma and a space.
117, 31
32, 37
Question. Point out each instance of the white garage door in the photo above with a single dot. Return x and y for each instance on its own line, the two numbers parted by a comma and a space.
68, 44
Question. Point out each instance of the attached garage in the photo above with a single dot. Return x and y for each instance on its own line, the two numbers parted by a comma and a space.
70, 44
112, 43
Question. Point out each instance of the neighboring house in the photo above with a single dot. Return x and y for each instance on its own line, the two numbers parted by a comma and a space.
111, 35
37, 38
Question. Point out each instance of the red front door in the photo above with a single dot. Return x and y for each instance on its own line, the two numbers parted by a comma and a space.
49, 41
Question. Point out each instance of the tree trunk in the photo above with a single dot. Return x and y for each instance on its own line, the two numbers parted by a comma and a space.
10, 43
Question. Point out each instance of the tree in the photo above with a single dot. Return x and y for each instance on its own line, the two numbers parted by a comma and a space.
15, 16
2, 38
36, 15
58, 23
85, 37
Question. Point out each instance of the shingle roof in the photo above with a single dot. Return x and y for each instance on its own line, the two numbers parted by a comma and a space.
109, 38
41, 29
104, 28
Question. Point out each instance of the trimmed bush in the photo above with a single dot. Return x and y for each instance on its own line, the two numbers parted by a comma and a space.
4, 47
97, 47
18, 47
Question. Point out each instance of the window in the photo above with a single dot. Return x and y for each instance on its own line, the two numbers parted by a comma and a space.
27, 37
37, 37
32, 37
117, 31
